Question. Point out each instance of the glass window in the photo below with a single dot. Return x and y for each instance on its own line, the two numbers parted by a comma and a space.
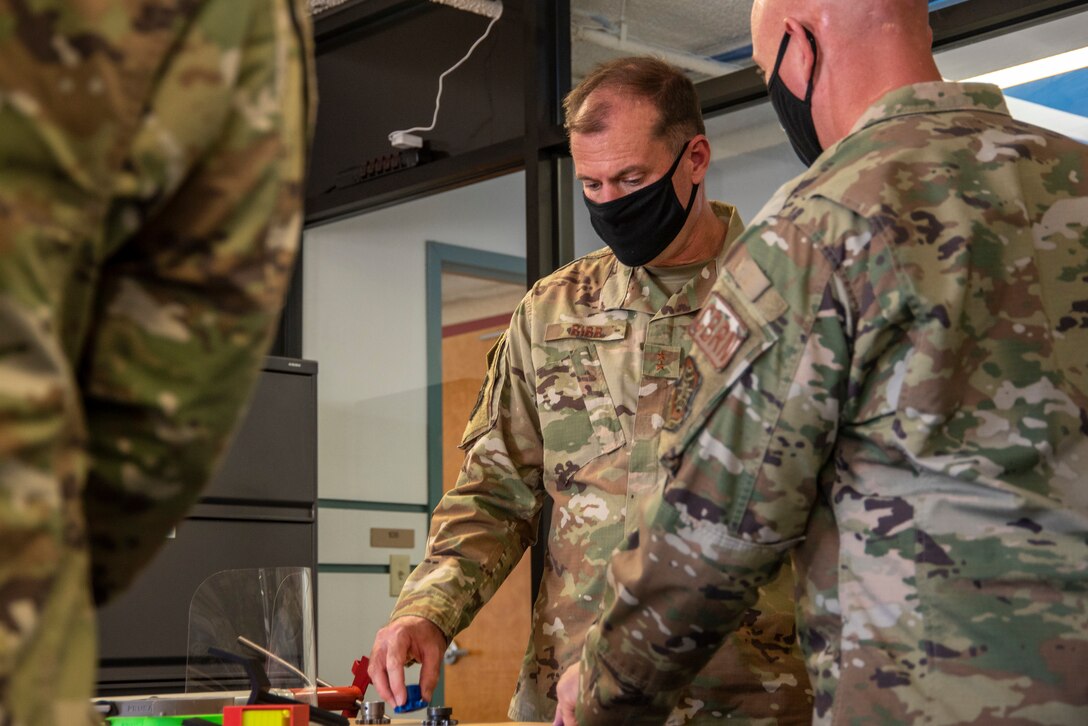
365, 322
396, 302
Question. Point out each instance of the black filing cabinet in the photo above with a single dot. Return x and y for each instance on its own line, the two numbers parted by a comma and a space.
259, 511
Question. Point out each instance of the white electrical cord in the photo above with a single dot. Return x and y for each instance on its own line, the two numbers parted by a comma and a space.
441, 78
264, 651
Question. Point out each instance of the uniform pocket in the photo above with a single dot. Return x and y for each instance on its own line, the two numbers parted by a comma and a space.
578, 417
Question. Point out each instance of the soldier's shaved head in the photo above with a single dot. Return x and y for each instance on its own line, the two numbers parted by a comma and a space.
864, 49
851, 16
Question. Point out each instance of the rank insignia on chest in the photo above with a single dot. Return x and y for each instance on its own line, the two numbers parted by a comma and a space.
718, 331
683, 393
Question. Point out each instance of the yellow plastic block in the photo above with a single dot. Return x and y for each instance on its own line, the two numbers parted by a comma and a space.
275, 717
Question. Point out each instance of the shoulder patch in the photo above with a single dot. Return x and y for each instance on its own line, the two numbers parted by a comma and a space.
484, 412
718, 331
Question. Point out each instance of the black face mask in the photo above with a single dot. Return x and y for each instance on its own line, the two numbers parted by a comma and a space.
639, 226
794, 113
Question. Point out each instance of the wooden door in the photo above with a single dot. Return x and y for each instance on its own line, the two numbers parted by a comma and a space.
479, 685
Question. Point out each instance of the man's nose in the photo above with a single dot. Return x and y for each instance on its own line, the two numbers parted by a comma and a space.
609, 192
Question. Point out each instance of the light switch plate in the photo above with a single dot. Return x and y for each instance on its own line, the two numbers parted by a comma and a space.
399, 567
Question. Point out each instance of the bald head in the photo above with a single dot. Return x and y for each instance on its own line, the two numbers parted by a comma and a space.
864, 48
848, 17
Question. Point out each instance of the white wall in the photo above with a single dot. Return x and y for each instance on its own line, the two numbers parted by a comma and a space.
364, 321
751, 158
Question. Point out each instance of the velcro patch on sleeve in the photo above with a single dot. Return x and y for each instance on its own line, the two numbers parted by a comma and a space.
751, 279
484, 413
718, 331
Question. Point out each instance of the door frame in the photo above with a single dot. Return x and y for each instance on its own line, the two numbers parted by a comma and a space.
442, 257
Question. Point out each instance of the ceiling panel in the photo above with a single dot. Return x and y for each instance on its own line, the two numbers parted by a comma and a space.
701, 27
699, 30
705, 29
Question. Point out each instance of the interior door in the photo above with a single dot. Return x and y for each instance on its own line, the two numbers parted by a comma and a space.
479, 684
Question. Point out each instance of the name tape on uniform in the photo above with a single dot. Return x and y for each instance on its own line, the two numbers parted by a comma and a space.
613, 330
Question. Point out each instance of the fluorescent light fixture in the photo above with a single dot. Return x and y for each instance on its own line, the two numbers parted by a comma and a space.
1055, 65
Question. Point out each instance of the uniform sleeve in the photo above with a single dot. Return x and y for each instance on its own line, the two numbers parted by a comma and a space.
483, 525
200, 246
769, 363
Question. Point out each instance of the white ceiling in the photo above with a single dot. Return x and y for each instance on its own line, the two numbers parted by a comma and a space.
701, 28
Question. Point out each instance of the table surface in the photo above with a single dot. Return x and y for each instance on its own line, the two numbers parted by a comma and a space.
399, 720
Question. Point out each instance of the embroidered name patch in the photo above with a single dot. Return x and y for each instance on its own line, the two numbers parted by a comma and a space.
608, 330
593, 332
718, 331
683, 393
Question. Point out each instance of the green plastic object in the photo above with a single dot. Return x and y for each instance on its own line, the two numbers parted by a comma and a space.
161, 720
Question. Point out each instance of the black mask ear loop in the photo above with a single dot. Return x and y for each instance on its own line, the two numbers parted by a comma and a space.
694, 186
782, 48
812, 74
795, 113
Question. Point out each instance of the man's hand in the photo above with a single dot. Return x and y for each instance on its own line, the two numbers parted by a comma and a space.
567, 692
403, 641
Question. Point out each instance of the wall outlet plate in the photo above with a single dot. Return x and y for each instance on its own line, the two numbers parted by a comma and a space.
399, 567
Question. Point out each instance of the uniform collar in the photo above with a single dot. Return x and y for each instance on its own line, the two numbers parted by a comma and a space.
932, 97
632, 288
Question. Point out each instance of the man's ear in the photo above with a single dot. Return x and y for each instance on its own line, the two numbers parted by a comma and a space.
699, 153
799, 64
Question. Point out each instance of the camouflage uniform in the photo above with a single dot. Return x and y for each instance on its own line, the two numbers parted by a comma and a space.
151, 159
894, 386
572, 409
